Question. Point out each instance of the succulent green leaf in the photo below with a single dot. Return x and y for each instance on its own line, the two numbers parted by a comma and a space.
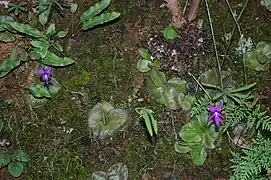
57, 46
158, 77
178, 84
62, 34
144, 53
169, 33
52, 59
36, 102
106, 107
170, 98
26, 29
7, 37
15, 169
34, 55
41, 44
115, 118
147, 120
12, 62
262, 58
244, 88
51, 30
198, 156
117, 172
54, 87
251, 60
98, 175
94, 10
39, 91
155, 91
20, 155
143, 65
4, 160
5, 18
209, 137
74, 7
181, 148
44, 16
41, 51
4, 23
189, 132
101, 19
154, 123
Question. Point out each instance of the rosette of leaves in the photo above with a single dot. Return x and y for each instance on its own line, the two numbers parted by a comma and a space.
41, 45
211, 82
197, 136
260, 57
46, 7
146, 61
93, 17
115, 172
14, 162
40, 92
12, 7
105, 120
170, 92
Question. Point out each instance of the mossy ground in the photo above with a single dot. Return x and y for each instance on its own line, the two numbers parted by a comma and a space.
55, 135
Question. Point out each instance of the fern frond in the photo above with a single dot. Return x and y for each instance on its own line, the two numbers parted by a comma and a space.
200, 106
249, 163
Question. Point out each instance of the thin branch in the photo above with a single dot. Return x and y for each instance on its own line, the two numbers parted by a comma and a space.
199, 85
214, 42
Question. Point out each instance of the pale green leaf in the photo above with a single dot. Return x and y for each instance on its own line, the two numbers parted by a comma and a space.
16, 168
101, 19
94, 10
7, 37
26, 29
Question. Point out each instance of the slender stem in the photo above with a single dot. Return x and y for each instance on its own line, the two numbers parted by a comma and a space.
214, 42
199, 85
240, 33
232, 32
234, 18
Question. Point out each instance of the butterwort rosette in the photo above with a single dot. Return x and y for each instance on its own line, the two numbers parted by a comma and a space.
45, 74
216, 114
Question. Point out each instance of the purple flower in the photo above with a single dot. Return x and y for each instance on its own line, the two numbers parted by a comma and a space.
45, 74
216, 114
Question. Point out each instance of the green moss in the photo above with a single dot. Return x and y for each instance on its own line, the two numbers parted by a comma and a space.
81, 80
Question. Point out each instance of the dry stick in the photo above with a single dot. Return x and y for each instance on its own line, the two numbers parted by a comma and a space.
240, 33
199, 85
244, 7
214, 42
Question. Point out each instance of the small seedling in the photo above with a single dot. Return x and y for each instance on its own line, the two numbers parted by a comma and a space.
151, 123
17, 7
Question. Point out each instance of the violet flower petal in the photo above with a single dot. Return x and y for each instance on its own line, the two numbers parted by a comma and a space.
212, 108
41, 71
219, 107
211, 116
48, 70
217, 120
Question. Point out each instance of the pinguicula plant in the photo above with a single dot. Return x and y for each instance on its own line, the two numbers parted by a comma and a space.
197, 136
